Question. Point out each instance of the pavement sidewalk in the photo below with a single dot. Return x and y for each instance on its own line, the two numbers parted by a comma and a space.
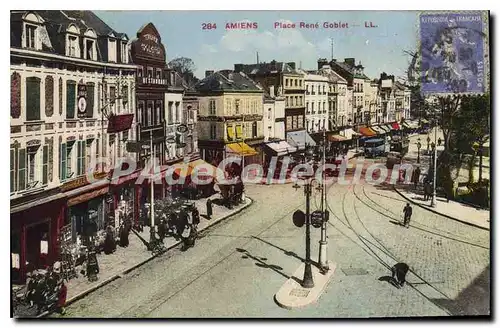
124, 260
469, 215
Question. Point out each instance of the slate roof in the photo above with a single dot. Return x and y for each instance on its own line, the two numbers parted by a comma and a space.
55, 25
227, 80
331, 75
349, 69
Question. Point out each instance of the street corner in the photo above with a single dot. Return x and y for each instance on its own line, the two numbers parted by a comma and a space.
292, 295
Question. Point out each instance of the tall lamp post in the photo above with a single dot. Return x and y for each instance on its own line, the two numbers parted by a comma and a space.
307, 281
419, 145
323, 243
349, 121
434, 152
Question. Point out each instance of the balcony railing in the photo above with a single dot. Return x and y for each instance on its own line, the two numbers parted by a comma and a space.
151, 80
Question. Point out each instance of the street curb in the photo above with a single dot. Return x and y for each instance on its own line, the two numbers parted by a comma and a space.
439, 213
126, 271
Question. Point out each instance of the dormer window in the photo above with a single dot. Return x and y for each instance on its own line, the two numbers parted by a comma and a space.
89, 45
72, 45
112, 51
124, 53
31, 31
30, 36
72, 42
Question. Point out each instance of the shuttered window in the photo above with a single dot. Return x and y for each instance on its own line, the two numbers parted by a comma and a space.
12, 170
22, 169
70, 99
32, 99
45, 165
80, 166
90, 99
62, 161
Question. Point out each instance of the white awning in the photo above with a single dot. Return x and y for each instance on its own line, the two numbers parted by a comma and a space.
281, 147
299, 139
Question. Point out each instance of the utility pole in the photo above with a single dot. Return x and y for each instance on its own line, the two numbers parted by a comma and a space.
323, 243
331, 42
152, 205
433, 199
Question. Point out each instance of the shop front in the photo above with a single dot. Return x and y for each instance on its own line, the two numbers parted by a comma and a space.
300, 139
88, 211
34, 228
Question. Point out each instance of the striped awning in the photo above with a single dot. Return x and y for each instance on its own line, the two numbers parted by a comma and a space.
406, 125
396, 126
378, 129
199, 166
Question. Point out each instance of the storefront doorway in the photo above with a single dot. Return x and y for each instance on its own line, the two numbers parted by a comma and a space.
37, 245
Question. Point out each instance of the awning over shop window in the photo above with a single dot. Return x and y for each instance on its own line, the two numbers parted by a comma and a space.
396, 126
424, 121
367, 132
199, 166
388, 127
240, 149
406, 125
299, 139
281, 147
349, 133
336, 138
378, 130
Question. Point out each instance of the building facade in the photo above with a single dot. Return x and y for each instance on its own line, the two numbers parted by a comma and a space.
338, 98
274, 116
230, 117
70, 79
317, 102
355, 77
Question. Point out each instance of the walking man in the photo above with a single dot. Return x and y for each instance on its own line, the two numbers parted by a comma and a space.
209, 208
407, 211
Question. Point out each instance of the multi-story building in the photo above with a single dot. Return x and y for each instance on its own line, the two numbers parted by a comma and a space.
72, 105
230, 117
190, 118
371, 101
317, 106
290, 83
338, 98
274, 116
403, 99
354, 74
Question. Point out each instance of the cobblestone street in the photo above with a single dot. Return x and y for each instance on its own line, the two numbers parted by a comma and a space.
215, 279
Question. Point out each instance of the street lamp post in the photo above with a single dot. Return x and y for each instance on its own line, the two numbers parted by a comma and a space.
419, 145
323, 243
152, 241
434, 151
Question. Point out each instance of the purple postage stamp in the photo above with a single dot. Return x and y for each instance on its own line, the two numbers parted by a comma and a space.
452, 46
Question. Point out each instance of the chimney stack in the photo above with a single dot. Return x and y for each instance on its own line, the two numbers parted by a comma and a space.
322, 62
350, 61
208, 73
238, 68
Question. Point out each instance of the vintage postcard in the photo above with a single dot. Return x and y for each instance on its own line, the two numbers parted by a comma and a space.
257, 164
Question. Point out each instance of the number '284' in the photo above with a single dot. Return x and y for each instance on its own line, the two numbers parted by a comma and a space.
208, 26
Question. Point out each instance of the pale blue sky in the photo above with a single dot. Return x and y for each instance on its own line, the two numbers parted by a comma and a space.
379, 49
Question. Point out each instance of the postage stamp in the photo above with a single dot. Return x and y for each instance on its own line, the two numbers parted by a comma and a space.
452, 49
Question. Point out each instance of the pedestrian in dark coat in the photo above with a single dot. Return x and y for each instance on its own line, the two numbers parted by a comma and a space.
407, 211
162, 230
109, 242
399, 271
124, 236
196, 217
209, 209
427, 191
416, 177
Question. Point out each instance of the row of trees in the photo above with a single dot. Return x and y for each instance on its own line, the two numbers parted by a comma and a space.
464, 120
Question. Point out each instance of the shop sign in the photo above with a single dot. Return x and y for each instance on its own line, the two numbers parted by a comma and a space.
119, 123
81, 181
82, 100
86, 197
